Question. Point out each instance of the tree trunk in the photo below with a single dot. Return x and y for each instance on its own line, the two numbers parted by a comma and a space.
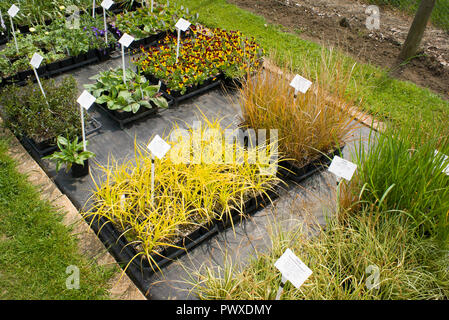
416, 31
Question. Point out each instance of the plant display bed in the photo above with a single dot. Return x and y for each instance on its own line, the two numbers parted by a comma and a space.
206, 56
44, 148
139, 269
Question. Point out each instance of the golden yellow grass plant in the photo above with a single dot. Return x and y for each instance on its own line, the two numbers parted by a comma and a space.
310, 124
186, 194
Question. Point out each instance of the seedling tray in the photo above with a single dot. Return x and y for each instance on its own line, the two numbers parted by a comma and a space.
288, 170
45, 148
139, 269
123, 118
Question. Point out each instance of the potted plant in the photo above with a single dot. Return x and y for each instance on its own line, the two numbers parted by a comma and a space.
135, 98
72, 155
26, 113
312, 127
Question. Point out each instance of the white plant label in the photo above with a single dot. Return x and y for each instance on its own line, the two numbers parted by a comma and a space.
126, 40
182, 24
158, 147
2, 22
107, 4
86, 100
13, 11
36, 60
445, 158
342, 168
292, 268
300, 84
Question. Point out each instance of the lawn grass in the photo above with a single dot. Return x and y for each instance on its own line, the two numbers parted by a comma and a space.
36, 248
372, 88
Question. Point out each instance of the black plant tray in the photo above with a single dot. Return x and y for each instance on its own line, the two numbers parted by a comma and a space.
139, 270
4, 39
191, 91
123, 118
70, 63
45, 148
288, 170
144, 42
54, 68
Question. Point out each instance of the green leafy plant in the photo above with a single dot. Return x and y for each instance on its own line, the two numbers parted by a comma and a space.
309, 125
71, 152
130, 97
142, 22
26, 112
55, 42
186, 195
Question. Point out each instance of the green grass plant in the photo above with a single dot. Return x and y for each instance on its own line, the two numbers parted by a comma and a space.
194, 184
36, 248
309, 125
339, 255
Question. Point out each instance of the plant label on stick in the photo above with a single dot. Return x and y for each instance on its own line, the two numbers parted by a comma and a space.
300, 84
106, 4
85, 100
36, 60
12, 13
13, 10
182, 24
292, 269
2, 22
35, 63
445, 158
125, 41
158, 147
342, 168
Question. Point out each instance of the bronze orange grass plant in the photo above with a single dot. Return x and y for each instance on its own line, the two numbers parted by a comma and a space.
310, 124
186, 195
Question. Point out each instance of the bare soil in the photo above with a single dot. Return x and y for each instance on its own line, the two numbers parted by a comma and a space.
342, 23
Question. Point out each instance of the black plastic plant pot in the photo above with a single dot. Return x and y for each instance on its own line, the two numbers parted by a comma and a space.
193, 91
232, 83
23, 75
125, 117
139, 270
79, 58
47, 147
53, 66
66, 62
104, 53
91, 54
79, 170
288, 169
